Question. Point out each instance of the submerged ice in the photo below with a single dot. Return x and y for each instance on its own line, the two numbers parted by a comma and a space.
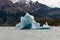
28, 22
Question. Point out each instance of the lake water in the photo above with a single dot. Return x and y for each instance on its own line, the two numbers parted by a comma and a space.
9, 33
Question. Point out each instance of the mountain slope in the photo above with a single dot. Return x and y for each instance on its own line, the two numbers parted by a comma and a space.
10, 13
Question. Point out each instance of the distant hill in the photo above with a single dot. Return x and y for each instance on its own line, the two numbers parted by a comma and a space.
9, 7
32, 7
10, 12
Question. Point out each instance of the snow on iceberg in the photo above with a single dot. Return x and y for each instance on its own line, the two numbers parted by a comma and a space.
28, 22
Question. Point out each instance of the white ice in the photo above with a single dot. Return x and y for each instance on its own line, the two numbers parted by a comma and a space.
46, 25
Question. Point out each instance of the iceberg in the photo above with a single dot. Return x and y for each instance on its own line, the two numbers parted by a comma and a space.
46, 26
28, 22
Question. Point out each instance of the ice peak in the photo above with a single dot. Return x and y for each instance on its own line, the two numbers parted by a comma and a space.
27, 14
46, 23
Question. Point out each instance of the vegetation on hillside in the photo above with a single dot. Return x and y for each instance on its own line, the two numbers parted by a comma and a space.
11, 19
